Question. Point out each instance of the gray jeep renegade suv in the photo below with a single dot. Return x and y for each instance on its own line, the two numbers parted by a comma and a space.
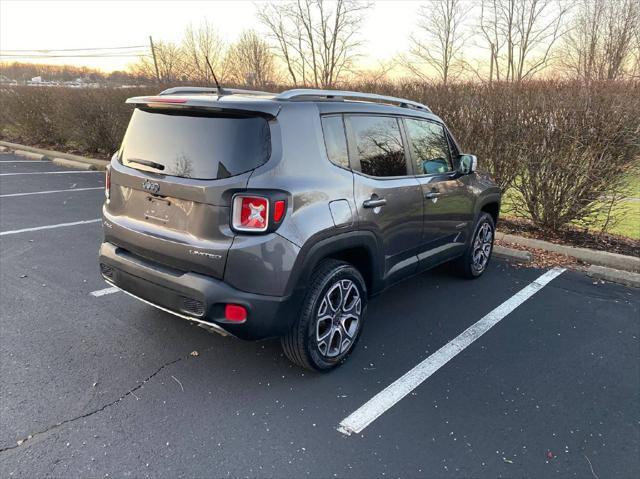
277, 215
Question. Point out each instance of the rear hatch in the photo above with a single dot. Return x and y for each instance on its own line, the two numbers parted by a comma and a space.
173, 180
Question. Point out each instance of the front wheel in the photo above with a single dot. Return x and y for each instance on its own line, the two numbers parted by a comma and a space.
476, 258
331, 317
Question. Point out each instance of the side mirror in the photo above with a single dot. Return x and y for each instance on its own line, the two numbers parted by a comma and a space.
467, 164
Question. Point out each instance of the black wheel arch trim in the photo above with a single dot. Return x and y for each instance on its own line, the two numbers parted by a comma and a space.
487, 200
313, 252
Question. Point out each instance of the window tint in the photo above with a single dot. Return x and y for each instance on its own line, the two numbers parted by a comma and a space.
429, 146
195, 145
379, 145
335, 140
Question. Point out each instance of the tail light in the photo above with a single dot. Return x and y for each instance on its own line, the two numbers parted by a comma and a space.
279, 207
250, 213
107, 183
258, 213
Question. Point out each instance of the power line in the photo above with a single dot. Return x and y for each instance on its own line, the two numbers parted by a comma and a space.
53, 50
35, 57
102, 55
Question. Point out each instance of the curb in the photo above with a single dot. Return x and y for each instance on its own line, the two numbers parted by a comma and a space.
512, 254
615, 275
74, 164
41, 154
30, 155
599, 258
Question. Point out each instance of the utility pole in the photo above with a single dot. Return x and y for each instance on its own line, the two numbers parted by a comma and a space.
155, 62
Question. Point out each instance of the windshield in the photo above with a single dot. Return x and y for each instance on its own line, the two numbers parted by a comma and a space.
194, 144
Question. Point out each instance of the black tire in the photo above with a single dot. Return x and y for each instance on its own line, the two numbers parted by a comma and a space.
467, 265
303, 344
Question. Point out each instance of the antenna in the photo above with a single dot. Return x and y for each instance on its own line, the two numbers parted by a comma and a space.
220, 90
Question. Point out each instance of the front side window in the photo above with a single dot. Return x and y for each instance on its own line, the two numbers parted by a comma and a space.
379, 145
335, 140
429, 146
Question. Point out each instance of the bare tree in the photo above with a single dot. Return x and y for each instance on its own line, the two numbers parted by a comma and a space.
600, 44
520, 35
250, 61
202, 46
438, 44
635, 61
170, 59
317, 40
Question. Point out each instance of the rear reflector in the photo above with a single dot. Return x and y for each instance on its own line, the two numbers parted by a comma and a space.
250, 213
235, 313
278, 210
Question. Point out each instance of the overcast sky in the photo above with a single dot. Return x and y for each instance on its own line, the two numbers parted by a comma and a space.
52, 24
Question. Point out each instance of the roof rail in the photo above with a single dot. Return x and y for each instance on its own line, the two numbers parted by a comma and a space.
301, 93
195, 90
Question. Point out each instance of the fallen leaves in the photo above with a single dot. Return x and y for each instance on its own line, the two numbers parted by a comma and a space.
542, 259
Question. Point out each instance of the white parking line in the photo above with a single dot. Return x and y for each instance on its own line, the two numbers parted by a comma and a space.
388, 397
102, 292
48, 227
50, 173
51, 191
22, 161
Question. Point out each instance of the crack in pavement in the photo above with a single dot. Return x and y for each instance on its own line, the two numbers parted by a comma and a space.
130, 392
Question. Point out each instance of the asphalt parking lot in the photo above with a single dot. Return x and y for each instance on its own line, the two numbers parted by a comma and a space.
97, 385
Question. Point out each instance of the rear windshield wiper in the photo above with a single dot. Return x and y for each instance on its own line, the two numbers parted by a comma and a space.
152, 164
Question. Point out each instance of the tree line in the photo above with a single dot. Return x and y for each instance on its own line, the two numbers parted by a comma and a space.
318, 43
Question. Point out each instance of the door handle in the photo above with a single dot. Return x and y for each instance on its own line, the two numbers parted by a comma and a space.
374, 203
433, 194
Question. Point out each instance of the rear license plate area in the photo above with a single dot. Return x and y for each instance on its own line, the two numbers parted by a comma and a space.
158, 209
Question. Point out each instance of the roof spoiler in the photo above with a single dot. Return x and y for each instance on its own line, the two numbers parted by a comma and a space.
268, 109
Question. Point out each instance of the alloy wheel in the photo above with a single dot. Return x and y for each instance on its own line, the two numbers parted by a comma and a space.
482, 247
338, 318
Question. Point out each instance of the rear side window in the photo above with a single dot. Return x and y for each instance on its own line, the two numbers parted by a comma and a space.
335, 140
195, 145
379, 145
429, 147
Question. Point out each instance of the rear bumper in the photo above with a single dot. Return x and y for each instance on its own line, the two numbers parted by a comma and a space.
194, 296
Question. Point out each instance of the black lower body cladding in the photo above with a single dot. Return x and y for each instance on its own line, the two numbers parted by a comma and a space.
196, 296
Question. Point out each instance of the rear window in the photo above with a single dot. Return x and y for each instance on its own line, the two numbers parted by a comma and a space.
195, 145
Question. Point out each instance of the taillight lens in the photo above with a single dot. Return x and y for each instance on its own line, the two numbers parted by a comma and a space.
278, 210
107, 183
250, 213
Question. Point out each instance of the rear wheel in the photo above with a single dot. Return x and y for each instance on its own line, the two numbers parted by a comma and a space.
476, 259
331, 317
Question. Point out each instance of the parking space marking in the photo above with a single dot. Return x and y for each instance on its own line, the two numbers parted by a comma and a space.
388, 397
51, 191
51, 173
22, 161
102, 292
48, 227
